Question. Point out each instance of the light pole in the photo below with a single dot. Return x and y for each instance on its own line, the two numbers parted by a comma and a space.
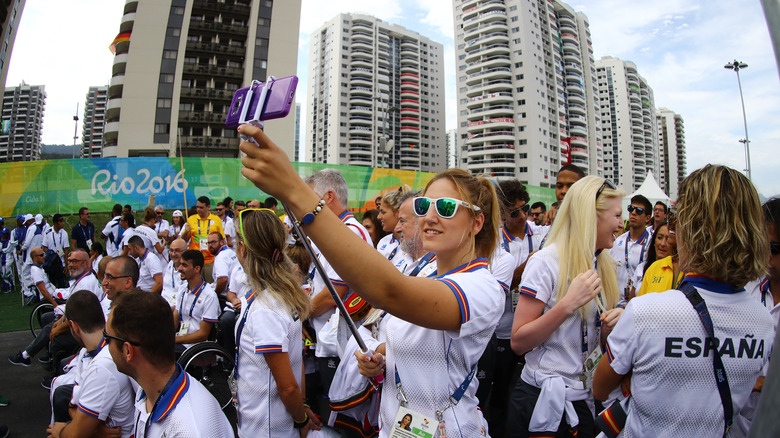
736, 66
75, 129
384, 144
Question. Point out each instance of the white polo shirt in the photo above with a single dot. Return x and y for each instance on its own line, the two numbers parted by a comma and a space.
629, 254
318, 285
39, 276
111, 231
268, 328
561, 354
57, 241
85, 281
387, 244
197, 305
224, 263
149, 235
432, 363
229, 226
521, 248
105, 393
149, 268
185, 409
237, 284
661, 339
502, 266
171, 283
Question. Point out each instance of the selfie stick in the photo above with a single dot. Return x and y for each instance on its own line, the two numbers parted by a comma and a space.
342, 309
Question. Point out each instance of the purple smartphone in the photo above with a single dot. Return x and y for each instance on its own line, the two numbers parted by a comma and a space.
280, 94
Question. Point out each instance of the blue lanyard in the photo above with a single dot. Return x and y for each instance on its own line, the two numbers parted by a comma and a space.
584, 327
208, 227
198, 289
249, 300
392, 253
423, 263
454, 398
721, 379
641, 252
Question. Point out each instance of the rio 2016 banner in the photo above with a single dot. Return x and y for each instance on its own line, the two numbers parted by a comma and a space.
64, 186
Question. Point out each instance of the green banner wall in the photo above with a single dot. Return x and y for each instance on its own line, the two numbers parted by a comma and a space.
64, 186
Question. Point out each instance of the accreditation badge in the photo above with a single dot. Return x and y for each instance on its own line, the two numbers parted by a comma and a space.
412, 424
183, 329
203, 243
589, 366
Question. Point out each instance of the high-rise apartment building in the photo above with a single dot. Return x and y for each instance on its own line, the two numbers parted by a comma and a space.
178, 64
10, 15
526, 89
453, 148
629, 126
672, 155
94, 122
22, 123
297, 153
373, 83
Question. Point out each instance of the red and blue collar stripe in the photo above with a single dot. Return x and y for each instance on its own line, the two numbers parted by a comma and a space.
93, 353
346, 216
81, 277
474, 265
508, 237
172, 394
642, 238
199, 288
146, 252
710, 284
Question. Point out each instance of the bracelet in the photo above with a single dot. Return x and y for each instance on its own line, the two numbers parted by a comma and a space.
303, 423
309, 217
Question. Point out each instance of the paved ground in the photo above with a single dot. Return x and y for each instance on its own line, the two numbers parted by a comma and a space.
28, 412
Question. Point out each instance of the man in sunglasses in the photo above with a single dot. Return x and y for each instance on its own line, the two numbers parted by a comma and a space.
200, 226
630, 249
105, 396
520, 238
57, 332
538, 210
169, 402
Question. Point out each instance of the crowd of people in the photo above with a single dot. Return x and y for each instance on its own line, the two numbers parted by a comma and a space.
484, 313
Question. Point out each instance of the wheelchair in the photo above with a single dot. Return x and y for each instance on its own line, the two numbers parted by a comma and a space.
211, 364
37, 313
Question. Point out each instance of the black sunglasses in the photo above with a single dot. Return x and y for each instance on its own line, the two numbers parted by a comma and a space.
607, 183
639, 210
516, 212
109, 337
774, 248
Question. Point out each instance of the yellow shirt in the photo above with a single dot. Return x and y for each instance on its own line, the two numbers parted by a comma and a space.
199, 233
658, 277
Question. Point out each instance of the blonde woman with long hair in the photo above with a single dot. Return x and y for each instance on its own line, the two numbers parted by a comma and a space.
438, 326
567, 306
268, 333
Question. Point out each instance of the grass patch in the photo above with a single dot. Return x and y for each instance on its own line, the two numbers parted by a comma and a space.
14, 317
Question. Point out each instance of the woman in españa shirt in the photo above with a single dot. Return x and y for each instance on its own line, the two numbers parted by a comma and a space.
440, 325
567, 296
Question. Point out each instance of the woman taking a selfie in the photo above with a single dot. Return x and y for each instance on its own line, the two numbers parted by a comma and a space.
439, 326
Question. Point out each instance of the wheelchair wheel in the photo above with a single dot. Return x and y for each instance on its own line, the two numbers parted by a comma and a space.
211, 364
35, 317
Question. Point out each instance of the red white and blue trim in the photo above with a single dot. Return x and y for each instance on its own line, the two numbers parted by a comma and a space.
262, 349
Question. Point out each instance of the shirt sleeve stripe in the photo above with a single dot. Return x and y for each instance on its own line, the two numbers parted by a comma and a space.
528, 291
503, 286
261, 349
463, 303
337, 282
88, 411
211, 320
609, 355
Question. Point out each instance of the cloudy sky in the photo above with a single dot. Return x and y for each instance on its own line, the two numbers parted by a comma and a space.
679, 46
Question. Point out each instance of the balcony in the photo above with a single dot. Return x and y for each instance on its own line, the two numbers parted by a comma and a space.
214, 48
112, 109
115, 86
211, 71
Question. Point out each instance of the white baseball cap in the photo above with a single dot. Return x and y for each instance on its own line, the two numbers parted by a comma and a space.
38, 219
27, 217
177, 213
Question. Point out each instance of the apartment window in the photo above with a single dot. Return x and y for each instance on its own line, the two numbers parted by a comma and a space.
166, 78
164, 103
522, 169
173, 31
515, 29
520, 77
162, 128
514, 19
169, 54
185, 106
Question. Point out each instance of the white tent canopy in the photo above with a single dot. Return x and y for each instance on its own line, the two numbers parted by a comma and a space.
650, 190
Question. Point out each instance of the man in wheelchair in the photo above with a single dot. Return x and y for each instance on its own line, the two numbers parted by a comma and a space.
196, 308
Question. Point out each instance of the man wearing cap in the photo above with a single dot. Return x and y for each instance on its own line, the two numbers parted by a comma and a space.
56, 239
34, 238
112, 232
83, 233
